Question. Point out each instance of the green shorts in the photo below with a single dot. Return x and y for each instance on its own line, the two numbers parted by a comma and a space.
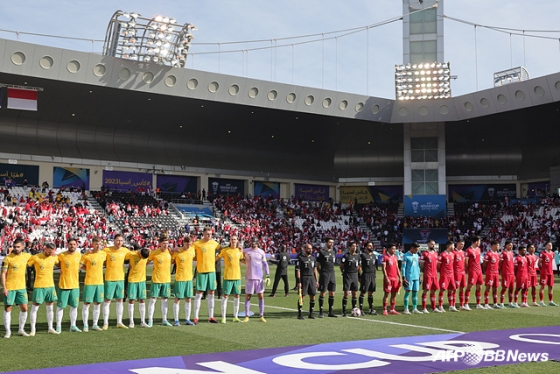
17, 297
160, 290
94, 293
44, 295
205, 281
232, 287
183, 290
137, 291
114, 290
68, 297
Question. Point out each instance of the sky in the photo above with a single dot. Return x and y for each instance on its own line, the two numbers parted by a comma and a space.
361, 62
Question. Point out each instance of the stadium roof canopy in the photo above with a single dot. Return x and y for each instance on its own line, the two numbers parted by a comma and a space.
95, 107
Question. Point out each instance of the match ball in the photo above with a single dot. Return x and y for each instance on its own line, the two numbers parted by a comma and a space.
356, 312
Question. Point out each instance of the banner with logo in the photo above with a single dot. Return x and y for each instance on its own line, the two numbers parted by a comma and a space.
371, 194
15, 174
221, 186
176, 184
460, 193
267, 189
311, 192
423, 235
70, 177
425, 205
126, 180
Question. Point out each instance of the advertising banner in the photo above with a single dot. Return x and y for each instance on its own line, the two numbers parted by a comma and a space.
15, 174
423, 235
310, 192
460, 193
425, 205
267, 189
371, 194
126, 180
176, 184
70, 177
221, 186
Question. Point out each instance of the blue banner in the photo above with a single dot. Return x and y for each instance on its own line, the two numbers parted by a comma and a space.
371, 194
177, 184
423, 235
70, 177
126, 180
425, 206
267, 189
311, 192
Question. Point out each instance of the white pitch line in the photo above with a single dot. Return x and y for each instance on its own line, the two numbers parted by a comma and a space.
378, 321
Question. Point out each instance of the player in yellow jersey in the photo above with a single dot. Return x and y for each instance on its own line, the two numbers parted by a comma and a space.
69, 285
43, 288
183, 287
232, 256
137, 261
161, 280
94, 290
14, 268
114, 280
205, 249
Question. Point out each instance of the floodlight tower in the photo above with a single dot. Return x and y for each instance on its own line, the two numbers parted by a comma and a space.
423, 75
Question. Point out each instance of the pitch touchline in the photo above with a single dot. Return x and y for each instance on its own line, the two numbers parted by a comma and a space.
378, 321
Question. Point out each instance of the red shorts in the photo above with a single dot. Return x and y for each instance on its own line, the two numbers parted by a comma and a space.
460, 280
492, 280
475, 278
522, 283
532, 281
547, 280
391, 285
430, 283
508, 281
447, 283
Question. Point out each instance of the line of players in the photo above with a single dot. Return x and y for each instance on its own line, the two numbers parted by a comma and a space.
100, 287
459, 272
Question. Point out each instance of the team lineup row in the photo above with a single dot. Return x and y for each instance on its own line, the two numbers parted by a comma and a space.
100, 288
315, 274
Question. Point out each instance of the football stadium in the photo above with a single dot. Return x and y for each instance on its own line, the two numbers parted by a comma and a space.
221, 223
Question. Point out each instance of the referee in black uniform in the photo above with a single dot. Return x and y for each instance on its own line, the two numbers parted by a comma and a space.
368, 264
350, 266
306, 268
283, 258
327, 281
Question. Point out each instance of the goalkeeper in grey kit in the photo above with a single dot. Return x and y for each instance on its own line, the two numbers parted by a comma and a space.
307, 279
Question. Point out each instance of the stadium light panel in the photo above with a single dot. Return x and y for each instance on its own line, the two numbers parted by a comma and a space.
426, 80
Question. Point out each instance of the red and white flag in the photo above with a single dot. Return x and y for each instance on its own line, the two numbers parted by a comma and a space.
22, 99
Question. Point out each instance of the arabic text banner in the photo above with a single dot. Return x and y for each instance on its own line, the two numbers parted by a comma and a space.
267, 189
177, 184
460, 193
126, 180
18, 173
371, 194
70, 177
223, 186
425, 205
311, 192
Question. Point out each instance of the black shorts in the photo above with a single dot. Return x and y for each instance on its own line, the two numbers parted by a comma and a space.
327, 282
350, 281
308, 286
367, 282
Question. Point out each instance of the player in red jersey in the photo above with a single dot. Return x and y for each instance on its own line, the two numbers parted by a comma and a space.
521, 278
508, 273
547, 275
472, 262
491, 265
532, 261
459, 271
429, 266
446, 277
392, 279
